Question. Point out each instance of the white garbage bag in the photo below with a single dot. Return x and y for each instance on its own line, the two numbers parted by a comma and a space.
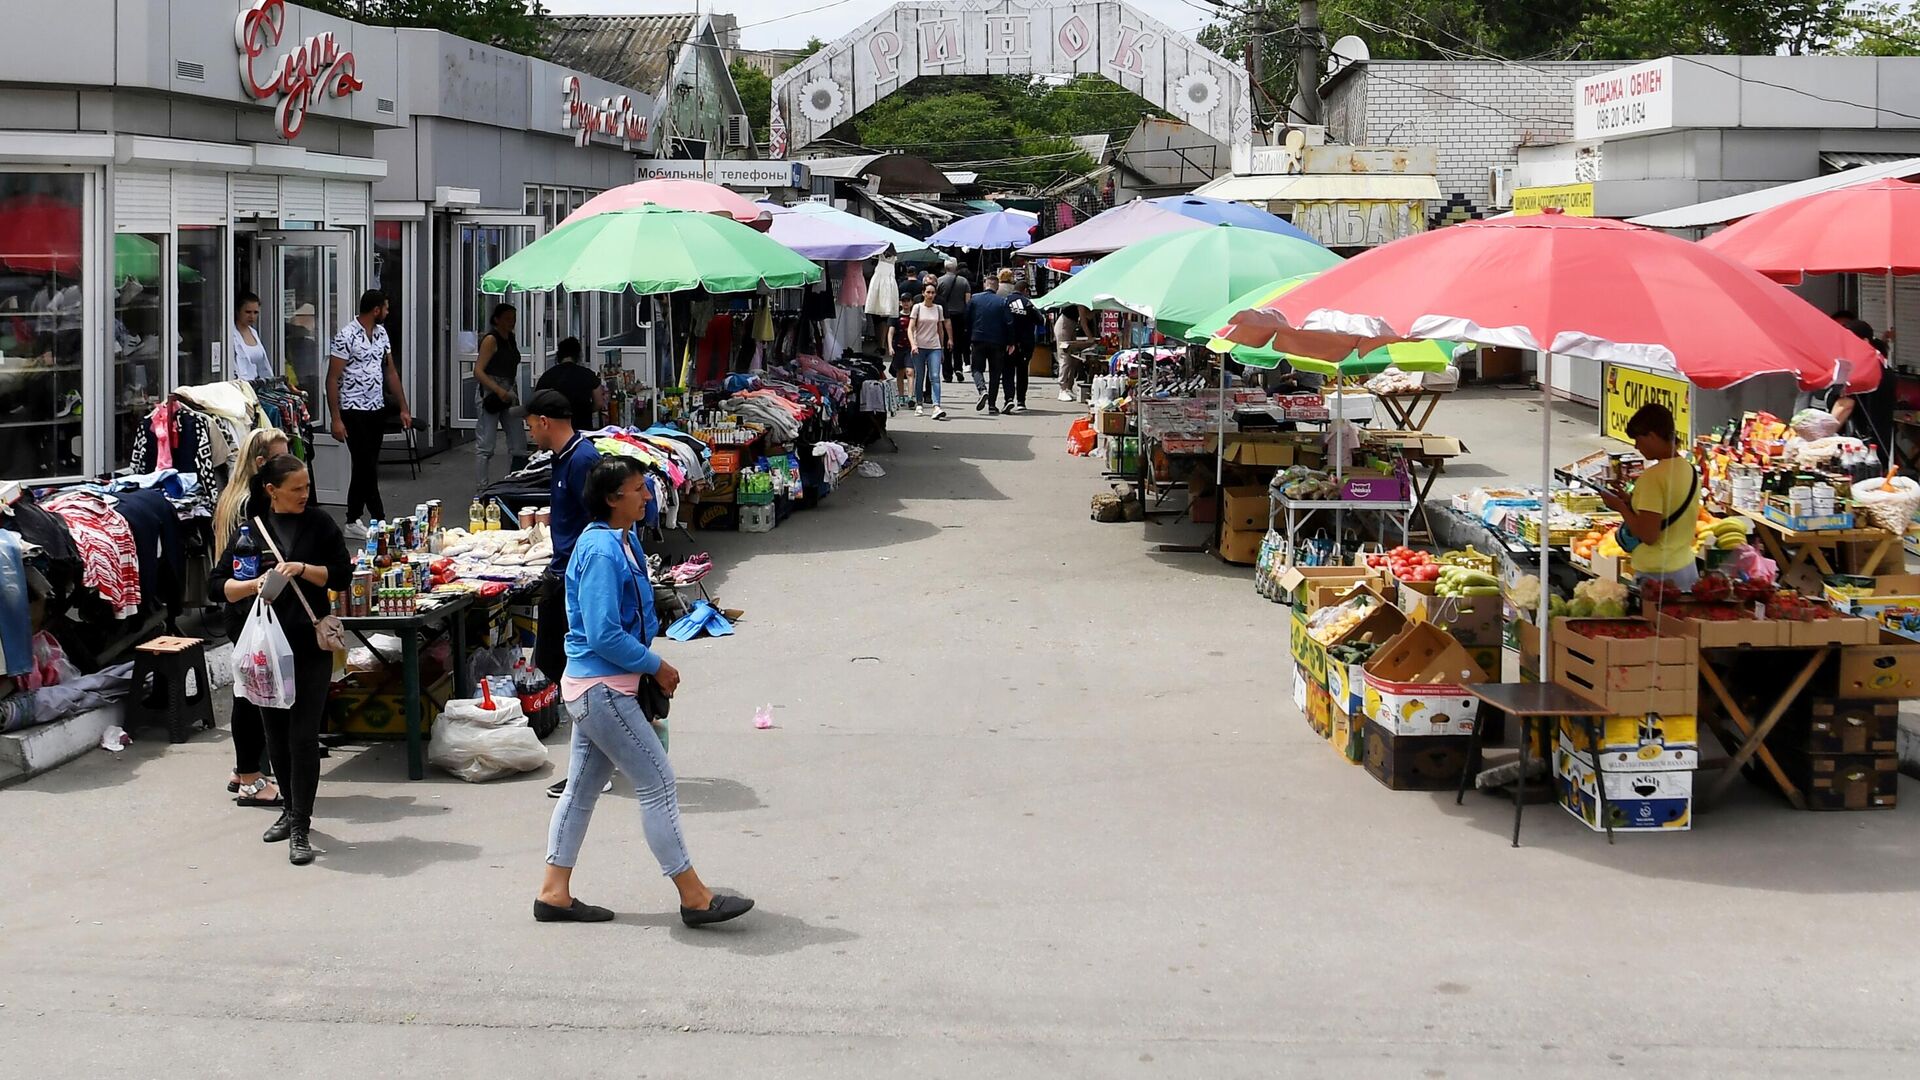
263, 661
477, 751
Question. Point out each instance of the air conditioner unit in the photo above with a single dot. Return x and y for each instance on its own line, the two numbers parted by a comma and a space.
739, 130
1500, 183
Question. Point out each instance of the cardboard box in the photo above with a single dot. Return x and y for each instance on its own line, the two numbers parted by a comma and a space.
1319, 709
1627, 676
1415, 684
1845, 781
1241, 547
1270, 450
1657, 744
1840, 727
723, 517
725, 461
1380, 625
1637, 801
1690, 620
1348, 733
1244, 507
1837, 629
723, 489
1416, 762
1343, 577
1300, 691
375, 703
1887, 670
1472, 620
1892, 600
1820, 523
1366, 485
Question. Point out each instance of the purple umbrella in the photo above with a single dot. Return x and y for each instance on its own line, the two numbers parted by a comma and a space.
1004, 229
820, 237
1111, 230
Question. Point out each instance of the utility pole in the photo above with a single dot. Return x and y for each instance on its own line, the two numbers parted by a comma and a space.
1307, 75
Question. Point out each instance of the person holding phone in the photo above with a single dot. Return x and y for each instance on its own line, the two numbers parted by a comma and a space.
610, 660
1664, 507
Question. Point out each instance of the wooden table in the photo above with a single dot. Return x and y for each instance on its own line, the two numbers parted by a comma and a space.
411, 630
1793, 549
1743, 738
1411, 412
1531, 704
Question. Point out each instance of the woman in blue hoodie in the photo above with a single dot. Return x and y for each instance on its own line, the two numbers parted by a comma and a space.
610, 630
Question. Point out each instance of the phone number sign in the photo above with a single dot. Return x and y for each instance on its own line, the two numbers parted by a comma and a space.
1626, 101
1624, 390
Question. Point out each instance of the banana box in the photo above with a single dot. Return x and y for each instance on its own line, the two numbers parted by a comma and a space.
1347, 684
1300, 691
1416, 684
1348, 733
1637, 800
1648, 742
1319, 709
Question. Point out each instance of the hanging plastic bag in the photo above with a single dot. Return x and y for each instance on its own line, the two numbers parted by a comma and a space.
1081, 437
263, 661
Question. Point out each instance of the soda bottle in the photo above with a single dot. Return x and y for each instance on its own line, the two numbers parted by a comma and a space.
246, 556
476, 517
383, 546
493, 515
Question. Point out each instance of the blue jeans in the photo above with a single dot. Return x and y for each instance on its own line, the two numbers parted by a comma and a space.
926, 372
608, 730
16, 626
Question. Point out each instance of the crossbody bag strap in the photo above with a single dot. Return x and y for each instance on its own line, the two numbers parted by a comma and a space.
295, 585
1693, 488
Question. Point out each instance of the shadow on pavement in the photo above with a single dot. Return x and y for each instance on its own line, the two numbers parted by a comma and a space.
398, 857
757, 933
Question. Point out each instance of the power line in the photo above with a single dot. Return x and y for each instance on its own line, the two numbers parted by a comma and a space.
1877, 109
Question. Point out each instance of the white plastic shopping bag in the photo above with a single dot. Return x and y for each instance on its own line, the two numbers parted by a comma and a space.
263, 661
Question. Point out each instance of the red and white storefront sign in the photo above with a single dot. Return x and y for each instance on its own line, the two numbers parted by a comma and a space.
300, 76
614, 117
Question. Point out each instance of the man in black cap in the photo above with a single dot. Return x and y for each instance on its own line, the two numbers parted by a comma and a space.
550, 427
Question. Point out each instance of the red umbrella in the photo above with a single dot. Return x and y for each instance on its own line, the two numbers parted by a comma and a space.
1871, 228
696, 195
40, 234
1573, 286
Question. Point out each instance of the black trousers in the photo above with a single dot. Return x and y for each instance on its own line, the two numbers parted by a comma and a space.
293, 735
249, 737
366, 429
962, 343
550, 636
1021, 356
1000, 375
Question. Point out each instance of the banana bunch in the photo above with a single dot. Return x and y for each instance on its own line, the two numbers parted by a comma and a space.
1724, 534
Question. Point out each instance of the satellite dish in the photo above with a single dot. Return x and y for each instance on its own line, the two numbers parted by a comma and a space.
1296, 140
1346, 52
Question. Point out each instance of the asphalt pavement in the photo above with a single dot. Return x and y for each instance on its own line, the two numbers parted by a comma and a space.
1035, 804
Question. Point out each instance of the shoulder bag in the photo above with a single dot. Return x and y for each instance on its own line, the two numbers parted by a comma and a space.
328, 631
1625, 538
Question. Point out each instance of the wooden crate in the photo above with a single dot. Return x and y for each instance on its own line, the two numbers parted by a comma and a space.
1415, 762
1887, 670
1845, 781
1840, 727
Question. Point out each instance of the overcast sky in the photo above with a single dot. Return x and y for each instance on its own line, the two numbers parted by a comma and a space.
775, 24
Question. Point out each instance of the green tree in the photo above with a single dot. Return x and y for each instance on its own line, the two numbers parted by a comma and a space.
515, 25
1888, 28
1641, 29
756, 93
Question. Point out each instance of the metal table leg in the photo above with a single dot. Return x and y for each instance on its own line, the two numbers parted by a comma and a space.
410, 650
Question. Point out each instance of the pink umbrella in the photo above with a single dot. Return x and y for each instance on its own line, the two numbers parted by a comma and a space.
698, 196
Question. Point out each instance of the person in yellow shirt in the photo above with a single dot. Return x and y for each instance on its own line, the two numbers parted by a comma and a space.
1665, 503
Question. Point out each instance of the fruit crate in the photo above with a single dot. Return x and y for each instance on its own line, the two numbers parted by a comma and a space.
1625, 665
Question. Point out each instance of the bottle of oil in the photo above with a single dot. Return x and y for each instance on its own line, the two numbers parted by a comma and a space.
476, 517
493, 515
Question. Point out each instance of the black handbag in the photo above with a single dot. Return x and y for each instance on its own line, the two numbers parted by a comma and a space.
654, 702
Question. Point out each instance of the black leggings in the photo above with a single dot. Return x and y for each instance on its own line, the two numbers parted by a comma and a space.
293, 735
550, 634
249, 738
366, 430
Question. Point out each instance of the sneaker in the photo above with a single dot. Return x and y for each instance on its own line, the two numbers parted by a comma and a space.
1064, 396
71, 406
981, 405
939, 413
993, 410
559, 788
1013, 407
354, 531
918, 411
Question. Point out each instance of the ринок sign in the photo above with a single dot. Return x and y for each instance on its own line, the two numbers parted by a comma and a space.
317, 66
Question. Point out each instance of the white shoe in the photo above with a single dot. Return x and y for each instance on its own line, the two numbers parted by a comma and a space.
354, 531
1064, 396
939, 413
919, 411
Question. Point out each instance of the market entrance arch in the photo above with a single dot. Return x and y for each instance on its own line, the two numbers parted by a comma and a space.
1010, 37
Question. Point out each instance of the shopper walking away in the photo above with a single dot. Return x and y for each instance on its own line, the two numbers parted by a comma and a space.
577, 382
250, 360
952, 290
931, 333
992, 323
362, 381
1664, 507
611, 669
1028, 325
237, 504
1071, 326
550, 422
315, 556
497, 370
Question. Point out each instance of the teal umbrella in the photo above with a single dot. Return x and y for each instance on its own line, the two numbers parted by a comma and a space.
651, 249
1178, 280
137, 257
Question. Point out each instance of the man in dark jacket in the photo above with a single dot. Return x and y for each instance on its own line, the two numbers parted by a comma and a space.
992, 326
1028, 322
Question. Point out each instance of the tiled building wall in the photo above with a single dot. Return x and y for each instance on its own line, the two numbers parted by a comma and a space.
1478, 113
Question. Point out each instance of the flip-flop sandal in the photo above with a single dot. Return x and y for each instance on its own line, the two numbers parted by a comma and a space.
250, 794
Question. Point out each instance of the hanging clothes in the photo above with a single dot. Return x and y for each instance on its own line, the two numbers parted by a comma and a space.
883, 292
853, 287
107, 548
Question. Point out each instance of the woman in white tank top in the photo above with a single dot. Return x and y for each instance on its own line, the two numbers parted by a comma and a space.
249, 350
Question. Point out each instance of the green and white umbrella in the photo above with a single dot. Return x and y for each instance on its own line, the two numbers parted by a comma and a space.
1180, 279
1405, 355
651, 249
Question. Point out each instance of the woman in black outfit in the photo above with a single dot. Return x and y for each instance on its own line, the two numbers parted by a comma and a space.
316, 560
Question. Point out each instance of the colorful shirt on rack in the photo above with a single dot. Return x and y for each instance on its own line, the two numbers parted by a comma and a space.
362, 386
110, 558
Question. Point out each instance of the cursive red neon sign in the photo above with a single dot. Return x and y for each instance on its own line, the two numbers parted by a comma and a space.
616, 118
312, 69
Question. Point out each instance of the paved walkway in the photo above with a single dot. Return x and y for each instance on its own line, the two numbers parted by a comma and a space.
1036, 804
